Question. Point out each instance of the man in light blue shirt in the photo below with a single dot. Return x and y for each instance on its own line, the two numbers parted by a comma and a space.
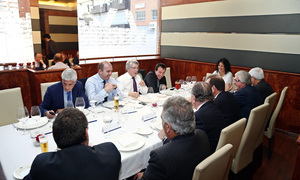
101, 86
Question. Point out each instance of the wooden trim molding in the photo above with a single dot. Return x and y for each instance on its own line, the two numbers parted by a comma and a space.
180, 2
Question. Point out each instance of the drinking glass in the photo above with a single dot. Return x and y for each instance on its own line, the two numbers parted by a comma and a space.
69, 104
150, 90
79, 103
162, 87
93, 104
194, 79
23, 116
177, 85
188, 79
116, 99
43, 143
35, 113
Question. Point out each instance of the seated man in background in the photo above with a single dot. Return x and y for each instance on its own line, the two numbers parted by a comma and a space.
209, 117
76, 59
225, 100
157, 77
39, 63
257, 79
102, 86
75, 159
130, 83
66, 60
246, 95
57, 95
186, 147
58, 59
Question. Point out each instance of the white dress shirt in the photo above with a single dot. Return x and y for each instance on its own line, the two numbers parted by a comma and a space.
59, 65
227, 77
125, 84
94, 89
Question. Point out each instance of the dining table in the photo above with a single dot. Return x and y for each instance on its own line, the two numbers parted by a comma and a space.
134, 130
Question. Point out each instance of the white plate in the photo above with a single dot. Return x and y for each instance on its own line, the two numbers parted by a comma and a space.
161, 95
137, 145
144, 99
21, 172
144, 130
168, 92
137, 106
85, 111
111, 104
32, 123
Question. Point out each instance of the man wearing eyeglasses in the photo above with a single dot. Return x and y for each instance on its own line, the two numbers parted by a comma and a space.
246, 95
130, 83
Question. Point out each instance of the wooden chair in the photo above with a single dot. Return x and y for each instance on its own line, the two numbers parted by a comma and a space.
44, 87
244, 154
168, 77
11, 99
115, 75
215, 166
232, 134
271, 128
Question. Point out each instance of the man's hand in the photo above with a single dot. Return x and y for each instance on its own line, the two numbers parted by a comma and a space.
142, 83
138, 175
228, 87
109, 87
134, 94
59, 110
50, 116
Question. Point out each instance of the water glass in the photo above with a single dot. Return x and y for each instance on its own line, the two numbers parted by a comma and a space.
69, 104
194, 79
150, 90
162, 87
188, 79
23, 116
79, 103
35, 113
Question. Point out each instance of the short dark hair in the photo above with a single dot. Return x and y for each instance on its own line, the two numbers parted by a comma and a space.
101, 65
37, 54
69, 128
218, 82
160, 65
47, 36
226, 65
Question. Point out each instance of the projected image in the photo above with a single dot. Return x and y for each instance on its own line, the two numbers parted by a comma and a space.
117, 27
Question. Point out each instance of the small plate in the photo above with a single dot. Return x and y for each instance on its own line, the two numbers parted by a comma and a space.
111, 104
139, 142
21, 172
144, 130
32, 123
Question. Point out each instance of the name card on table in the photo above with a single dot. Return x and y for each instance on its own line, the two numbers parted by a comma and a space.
149, 116
111, 127
128, 111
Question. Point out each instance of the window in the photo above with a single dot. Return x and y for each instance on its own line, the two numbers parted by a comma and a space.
140, 16
154, 14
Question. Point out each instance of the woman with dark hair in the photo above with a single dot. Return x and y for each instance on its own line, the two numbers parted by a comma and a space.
224, 71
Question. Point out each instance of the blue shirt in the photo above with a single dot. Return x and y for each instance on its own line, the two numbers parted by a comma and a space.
94, 89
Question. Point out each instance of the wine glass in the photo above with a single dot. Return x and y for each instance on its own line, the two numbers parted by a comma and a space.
93, 104
69, 104
188, 79
79, 103
150, 90
35, 113
23, 116
194, 79
162, 87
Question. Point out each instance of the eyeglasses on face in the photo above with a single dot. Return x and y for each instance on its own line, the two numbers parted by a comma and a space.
235, 80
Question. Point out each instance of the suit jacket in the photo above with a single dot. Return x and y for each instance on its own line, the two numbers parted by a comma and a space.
264, 89
178, 158
151, 81
54, 97
101, 162
210, 119
52, 49
229, 107
248, 98
76, 61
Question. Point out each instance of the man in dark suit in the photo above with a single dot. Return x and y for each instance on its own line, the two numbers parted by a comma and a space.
246, 95
155, 78
257, 79
209, 117
58, 95
225, 100
186, 147
75, 159
52, 47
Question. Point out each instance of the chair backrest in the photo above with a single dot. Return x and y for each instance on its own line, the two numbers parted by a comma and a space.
244, 154
142, 72
207, 74
271, 128
83, 81
44, 87
115, 75
271, 100
232, 134
11, 99
214, 166
50, 62
168, 77
71, 61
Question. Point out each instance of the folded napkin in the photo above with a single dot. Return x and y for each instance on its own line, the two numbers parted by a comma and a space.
149, 116
127, 141
128, 111
114, 125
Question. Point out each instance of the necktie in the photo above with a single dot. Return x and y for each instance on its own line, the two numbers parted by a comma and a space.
134, 85
69, 98
105, 99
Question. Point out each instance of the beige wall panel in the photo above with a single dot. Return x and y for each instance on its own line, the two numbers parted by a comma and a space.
252, 42
34, 12
36, 37
62, 20
231, 8
64, 37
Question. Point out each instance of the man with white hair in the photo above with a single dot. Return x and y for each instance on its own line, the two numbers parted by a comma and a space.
257, 79
57, 95
186, 147
246, 95
130, 83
